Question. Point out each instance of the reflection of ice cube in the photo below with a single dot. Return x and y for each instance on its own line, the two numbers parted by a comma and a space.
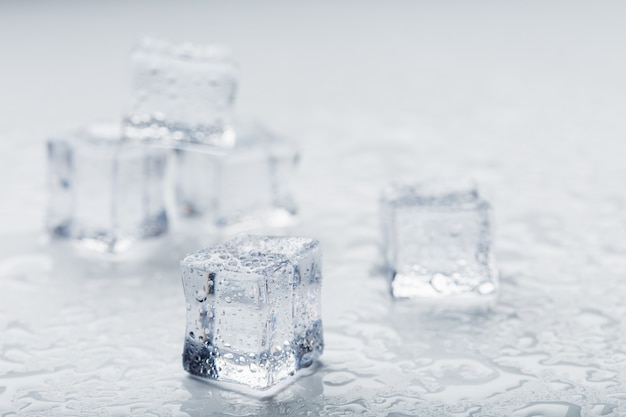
181, 94
253, 310
102, 192
437, 241
250, 183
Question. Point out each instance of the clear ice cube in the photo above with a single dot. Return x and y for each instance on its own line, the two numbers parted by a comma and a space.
437, 241
253, 310
251, 183
103, 192
181, 94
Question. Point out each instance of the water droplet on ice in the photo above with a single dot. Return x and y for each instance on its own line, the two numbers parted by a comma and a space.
486, 288
200, 295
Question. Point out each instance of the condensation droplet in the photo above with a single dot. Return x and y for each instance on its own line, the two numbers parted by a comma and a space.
486, 288
201, 295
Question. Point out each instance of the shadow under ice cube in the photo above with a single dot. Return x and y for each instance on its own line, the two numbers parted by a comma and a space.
437, 242
253, 311
102, 192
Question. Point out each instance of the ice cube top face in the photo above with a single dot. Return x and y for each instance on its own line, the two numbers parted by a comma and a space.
437, 242
102, 192
249, 184
181, 93
253, 310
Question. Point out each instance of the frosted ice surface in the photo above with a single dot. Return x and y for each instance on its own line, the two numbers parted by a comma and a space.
250, 183
253, 312
181, 94
102, 192
437, 241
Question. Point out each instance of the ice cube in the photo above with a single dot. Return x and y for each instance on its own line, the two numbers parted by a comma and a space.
250, 184
437, 241
253, 310
181, 94
103, 192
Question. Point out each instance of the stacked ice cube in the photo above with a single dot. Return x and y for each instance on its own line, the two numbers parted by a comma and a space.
181, 94
107, 189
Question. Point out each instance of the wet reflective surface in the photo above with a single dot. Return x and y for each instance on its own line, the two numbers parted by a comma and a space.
543, 134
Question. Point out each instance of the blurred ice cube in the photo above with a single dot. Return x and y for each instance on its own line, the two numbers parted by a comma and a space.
437, 241
102, 192
249, 184
181, 94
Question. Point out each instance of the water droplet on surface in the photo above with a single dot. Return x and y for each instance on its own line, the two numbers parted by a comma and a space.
549, 409
439, 282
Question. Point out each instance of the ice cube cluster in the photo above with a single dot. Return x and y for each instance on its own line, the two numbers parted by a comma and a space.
106, 189
253, 310
437, 241
253, 303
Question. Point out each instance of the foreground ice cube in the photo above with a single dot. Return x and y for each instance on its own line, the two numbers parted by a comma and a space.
102, 192
181, 94
437, 241
253, 310
249, 184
